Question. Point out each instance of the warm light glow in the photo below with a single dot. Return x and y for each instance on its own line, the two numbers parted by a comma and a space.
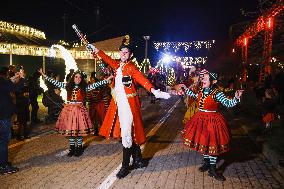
233, 50
245, 41
31, 50
269, 23
21, 29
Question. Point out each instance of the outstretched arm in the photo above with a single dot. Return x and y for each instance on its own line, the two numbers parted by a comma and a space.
187, 91
51, 80
220, 97
107, 59
97, 84
140, 78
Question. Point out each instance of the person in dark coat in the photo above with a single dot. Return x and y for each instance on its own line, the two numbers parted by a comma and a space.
54, 102
34, 91
23, 112
7, 109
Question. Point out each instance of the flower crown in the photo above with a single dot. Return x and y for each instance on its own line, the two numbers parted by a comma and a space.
81, 73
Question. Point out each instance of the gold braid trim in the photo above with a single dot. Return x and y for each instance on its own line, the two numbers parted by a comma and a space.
207, 149
75, 132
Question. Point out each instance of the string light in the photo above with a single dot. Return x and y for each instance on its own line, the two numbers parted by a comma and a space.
176, 46
63, 43
30, 50
21, 29
260, 24
6, 48
171, 76
185, 62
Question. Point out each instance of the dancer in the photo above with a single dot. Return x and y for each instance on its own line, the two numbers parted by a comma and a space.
96, 104
207, 131
123, 118
74, 121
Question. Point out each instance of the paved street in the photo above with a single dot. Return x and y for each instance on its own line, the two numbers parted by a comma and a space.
43, 162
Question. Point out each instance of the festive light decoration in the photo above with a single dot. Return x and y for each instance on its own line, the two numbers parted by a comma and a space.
6, 48
176, 46
21, 29
186, 62
154, 70
63, 43
168, 70
30, 50
145, 65
263, 23
171, 76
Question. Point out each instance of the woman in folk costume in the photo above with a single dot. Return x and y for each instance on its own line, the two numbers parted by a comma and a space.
123, 118
74, 121
96, 104
191, 103
207, 131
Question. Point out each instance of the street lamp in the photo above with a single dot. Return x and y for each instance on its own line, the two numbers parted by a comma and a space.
146, 61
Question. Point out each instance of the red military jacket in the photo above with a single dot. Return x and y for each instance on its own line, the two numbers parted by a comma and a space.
131, 75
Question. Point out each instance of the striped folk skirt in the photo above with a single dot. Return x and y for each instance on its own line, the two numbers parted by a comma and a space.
207, 133
74, 120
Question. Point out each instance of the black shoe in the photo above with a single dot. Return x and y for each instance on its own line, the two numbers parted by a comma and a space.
71, 151
138, 161
8, 169
205, 166
138, 164
123, 172
79, 151
212, 173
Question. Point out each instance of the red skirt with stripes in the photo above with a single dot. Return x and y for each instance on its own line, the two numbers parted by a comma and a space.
208, 133
74, 120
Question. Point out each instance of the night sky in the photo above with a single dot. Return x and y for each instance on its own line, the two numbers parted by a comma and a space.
163, 20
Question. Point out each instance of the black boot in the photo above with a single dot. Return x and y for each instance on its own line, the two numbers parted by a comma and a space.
124, 170
79, 151
205, 166
138, 161
212, 173
71, 151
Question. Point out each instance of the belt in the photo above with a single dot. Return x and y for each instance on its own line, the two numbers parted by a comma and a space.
127, 96
74, 102
131, 95
202, 110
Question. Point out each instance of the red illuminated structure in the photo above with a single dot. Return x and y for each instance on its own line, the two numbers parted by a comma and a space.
263, 23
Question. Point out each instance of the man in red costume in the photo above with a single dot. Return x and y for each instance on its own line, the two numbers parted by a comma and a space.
123, 118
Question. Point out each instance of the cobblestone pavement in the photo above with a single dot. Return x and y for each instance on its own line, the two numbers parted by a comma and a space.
43, 162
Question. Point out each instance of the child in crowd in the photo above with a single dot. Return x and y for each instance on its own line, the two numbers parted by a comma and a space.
207, 130
74, 121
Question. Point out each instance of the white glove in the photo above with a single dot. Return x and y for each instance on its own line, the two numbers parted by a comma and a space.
160, 94
91, 48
